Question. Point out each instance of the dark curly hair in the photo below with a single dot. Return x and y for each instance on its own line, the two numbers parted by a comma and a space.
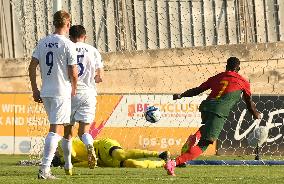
233, 64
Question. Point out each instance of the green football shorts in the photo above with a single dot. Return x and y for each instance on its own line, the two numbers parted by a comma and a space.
213, 125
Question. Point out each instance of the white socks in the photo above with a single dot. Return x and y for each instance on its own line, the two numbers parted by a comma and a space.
87, 139
50, 146
67, 148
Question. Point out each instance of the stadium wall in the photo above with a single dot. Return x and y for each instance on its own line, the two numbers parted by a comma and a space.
171, 70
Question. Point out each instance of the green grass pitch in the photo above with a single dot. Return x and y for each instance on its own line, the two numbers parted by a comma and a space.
11, 173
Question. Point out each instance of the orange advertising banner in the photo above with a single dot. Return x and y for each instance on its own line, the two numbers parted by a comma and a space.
118, 117
19, 116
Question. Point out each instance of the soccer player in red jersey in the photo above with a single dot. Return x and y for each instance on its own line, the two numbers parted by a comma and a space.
226, 90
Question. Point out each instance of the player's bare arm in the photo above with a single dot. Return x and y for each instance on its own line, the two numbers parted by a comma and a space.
32, 75
99, 75
189, 93
73, 75
251, 106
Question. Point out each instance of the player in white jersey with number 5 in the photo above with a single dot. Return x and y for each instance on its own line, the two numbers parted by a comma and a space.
56, 56
90, 68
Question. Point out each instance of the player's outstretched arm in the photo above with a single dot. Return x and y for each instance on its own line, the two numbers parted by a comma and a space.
251, 106
32, 75
73, 75
189, 93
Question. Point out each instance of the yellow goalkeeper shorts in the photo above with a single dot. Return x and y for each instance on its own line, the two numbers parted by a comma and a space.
103, 149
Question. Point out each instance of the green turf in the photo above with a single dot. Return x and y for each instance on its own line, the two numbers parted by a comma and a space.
10, 173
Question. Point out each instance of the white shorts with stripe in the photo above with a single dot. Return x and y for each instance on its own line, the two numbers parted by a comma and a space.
58, 109
83, 108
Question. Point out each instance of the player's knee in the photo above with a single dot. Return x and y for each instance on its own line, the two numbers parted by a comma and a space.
118, 154
204, 142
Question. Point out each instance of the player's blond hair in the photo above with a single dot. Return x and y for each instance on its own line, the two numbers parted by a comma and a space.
60, 18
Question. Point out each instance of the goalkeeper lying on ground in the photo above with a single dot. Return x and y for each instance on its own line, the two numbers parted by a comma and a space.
110, 154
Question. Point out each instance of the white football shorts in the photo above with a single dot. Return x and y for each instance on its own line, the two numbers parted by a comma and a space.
83, 108
58, 109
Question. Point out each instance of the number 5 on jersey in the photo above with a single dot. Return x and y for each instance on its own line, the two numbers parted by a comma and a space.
80, 64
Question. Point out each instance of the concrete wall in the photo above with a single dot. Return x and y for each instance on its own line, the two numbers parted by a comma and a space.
172, 70
13, 75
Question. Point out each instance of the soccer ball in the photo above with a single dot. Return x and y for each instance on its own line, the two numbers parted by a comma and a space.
152, 114
258, 136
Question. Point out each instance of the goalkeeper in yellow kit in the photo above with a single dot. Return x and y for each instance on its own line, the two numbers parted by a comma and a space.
110, 154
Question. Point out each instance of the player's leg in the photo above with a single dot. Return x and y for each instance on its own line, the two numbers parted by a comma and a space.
58, 159
121, 154
50, 145
83, 111
143, 163
67, 149
87, 139
83, 133
209, 133
193, 152
192, 140
58, 111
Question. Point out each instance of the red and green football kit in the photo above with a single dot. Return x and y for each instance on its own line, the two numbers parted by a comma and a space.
226, 89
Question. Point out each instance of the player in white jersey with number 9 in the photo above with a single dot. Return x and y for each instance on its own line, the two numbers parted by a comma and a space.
56, 56
90, 68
